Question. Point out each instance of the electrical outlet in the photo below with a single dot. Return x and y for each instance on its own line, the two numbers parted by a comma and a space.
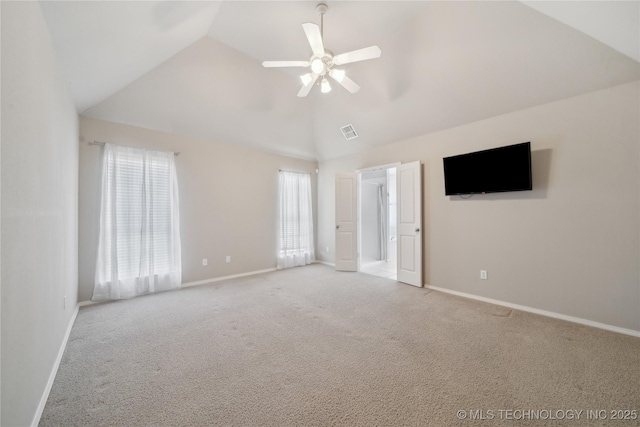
483, 274
327, 249
205, 262
228, 258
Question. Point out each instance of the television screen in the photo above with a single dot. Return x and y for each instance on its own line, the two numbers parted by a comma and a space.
489, 171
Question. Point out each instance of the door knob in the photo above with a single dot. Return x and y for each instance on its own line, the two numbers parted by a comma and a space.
417, 230
337, 226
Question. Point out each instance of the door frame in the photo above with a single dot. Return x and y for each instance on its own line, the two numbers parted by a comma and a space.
357, 178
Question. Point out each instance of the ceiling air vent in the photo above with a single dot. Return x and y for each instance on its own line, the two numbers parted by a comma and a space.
349, 132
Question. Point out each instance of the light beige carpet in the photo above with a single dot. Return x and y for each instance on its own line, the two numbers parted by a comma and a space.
311, 347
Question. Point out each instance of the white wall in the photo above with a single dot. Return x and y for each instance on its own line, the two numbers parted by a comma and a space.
369, 216
39, 210
228, 200
570, 246
368, 222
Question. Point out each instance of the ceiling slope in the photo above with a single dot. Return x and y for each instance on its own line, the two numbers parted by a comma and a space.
105, 45
272, 30
614, 23
460, 62
443, 64
212, 91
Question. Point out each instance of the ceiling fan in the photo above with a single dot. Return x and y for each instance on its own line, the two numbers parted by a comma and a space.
322, 61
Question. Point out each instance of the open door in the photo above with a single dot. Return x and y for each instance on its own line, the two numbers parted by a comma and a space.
346, 222
409, 194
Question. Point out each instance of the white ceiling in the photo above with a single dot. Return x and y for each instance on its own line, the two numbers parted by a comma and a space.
194, 68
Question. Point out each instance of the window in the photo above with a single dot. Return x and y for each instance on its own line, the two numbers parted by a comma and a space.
296, 246
139, 247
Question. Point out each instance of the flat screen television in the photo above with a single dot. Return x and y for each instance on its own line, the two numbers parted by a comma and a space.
489, 171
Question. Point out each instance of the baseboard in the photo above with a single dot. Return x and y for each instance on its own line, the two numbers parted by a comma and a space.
54, 370
325, 263
197, 283
85, 303
217, 279
572, 319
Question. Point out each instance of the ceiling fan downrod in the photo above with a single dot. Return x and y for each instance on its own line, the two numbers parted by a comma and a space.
321, 8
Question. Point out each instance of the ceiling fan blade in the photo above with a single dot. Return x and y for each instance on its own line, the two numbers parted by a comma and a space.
304, 90
269, 64
347, 83
370, 52
315, 38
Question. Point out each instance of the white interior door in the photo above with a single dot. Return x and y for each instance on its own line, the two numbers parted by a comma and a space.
409, 196
346, 222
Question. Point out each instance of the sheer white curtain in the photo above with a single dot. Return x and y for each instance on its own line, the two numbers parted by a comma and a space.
139, 243
296, 220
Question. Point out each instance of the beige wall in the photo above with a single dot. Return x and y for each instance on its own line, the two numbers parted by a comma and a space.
39, 210
570, 246
228, 200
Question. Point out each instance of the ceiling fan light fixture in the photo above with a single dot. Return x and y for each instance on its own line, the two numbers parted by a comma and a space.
322, 60
338, 75
325, 87
306, 79
317, 66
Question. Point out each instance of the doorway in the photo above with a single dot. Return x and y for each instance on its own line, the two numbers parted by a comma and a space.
406, 229
378, 225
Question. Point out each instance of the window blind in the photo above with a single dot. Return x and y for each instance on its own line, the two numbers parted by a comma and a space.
296, 245
139, 249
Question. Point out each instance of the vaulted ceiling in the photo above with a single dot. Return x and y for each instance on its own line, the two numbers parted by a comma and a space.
194, 68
